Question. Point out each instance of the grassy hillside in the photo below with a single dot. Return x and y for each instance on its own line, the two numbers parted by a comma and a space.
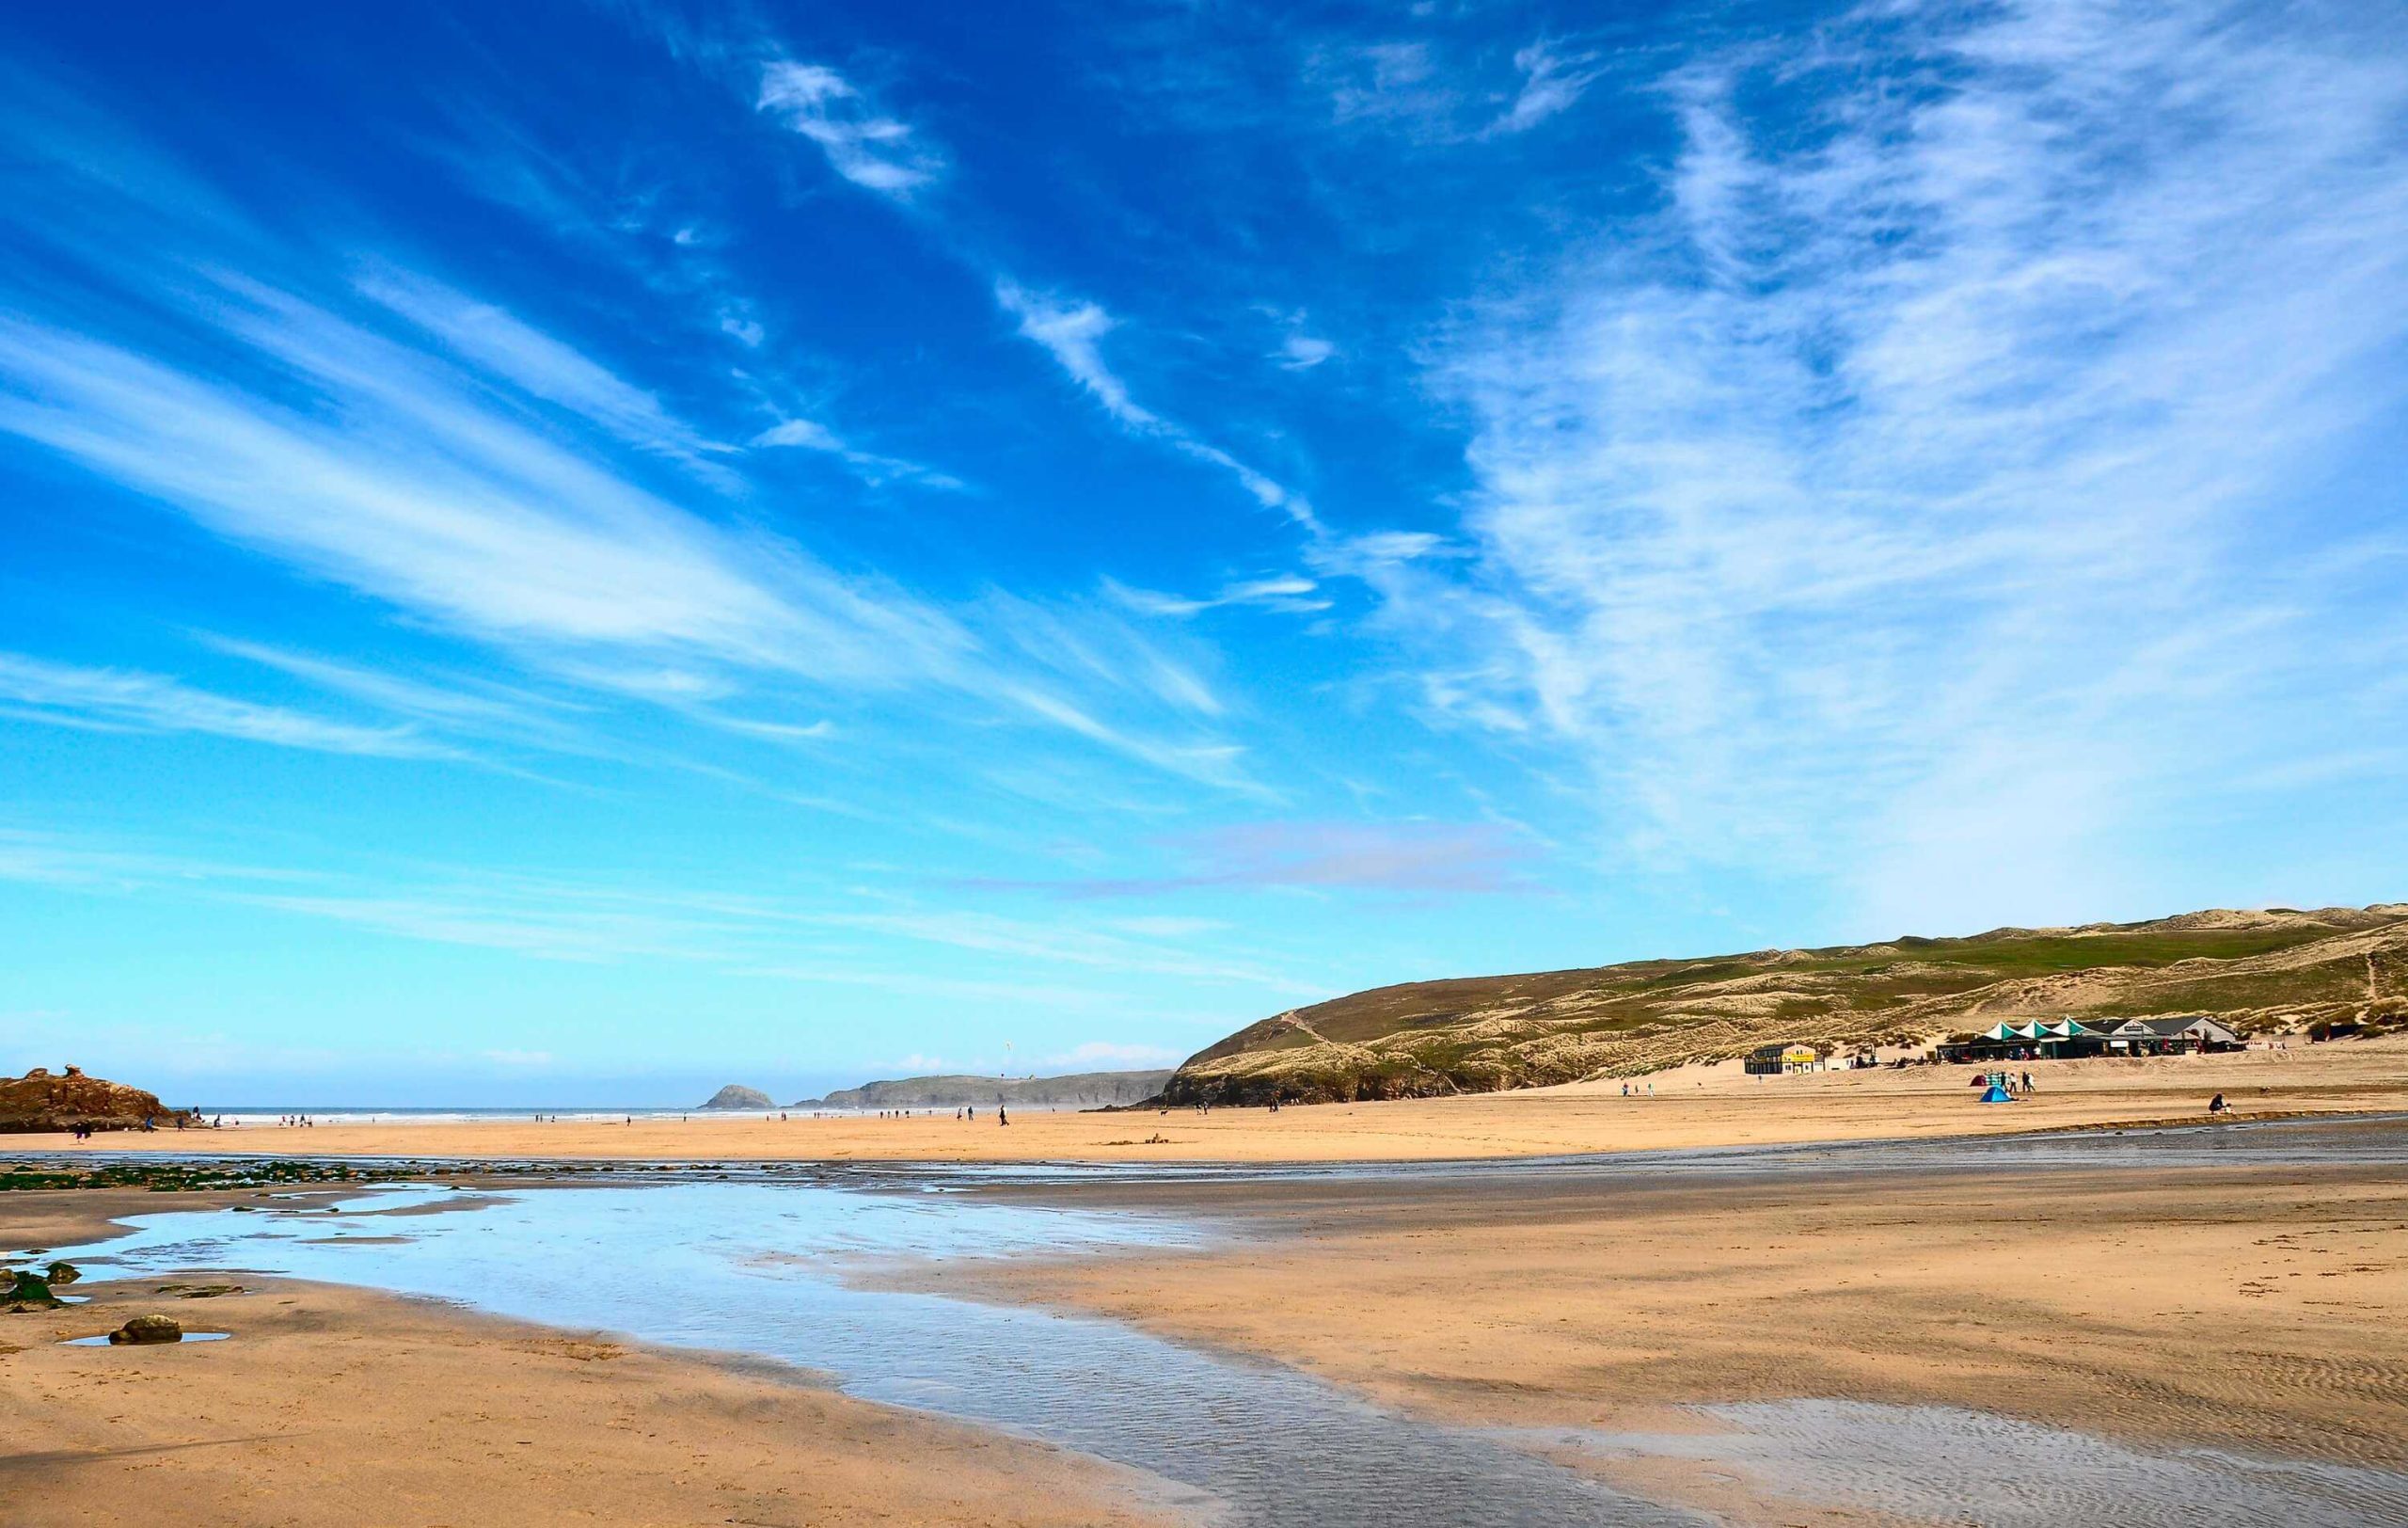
2258, 971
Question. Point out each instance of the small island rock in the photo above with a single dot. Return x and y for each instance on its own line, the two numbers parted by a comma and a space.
734, 1097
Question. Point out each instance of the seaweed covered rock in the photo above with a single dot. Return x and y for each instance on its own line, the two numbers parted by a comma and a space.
147, 1328
22, 1289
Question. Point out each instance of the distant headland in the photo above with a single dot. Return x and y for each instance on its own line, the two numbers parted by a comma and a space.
1078, 1090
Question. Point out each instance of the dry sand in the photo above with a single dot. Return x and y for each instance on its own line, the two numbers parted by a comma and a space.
2264, 1310
334, 1407
1692, 1106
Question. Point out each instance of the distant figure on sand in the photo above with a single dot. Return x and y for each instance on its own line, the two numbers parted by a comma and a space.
2217, 1105
1003, 1116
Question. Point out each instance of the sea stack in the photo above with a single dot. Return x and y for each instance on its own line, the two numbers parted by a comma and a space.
736, 1097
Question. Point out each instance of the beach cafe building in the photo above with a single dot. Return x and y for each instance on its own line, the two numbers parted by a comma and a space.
2071, 1039
1773, 1060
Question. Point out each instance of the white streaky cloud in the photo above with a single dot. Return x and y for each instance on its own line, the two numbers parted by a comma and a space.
1388, 84
807, 434
863, 144
1958, 452
408, 484
54, 859
1551, 82
121, 699
1291, 593
1104, 655
496, 341
1071, 332
420, 495
1302, 352
774, 731
869, 466
450, 704
1208, 763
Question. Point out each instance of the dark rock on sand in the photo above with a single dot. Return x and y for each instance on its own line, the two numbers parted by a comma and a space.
199, 1292
148, 1329
26, 1290
62, 1273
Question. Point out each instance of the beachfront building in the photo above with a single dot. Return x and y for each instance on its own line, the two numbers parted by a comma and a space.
1775, 1060
2072, 1039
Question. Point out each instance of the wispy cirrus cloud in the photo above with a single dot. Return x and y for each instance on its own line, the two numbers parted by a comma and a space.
1553, 78
864, 144
870, 466
64, 694
380, 430
1289, 593
1902, 495
499, 342
1071, 331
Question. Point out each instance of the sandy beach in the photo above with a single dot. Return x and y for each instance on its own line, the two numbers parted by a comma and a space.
2262, 1311
1688, 1108
1606, 1313
332, 1406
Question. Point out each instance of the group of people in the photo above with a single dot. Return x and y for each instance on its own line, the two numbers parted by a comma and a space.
2015, 1087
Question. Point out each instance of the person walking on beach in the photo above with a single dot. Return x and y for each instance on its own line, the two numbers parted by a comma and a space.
1003, 1116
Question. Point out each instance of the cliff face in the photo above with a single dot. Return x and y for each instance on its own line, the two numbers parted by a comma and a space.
39, 1101
2254, 970
1084, 1090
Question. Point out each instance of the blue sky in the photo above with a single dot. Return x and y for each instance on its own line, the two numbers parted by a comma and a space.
578, 552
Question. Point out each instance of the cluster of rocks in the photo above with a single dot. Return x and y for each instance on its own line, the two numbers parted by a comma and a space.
69, 1101
34, 1289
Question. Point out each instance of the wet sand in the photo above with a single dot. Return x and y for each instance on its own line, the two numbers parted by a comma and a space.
1691, 1107
337, 1406
2263, 1310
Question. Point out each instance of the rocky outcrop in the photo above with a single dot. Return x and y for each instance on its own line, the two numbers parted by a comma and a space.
2275, 969
736, 1097
1076, 1091
39, 1101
